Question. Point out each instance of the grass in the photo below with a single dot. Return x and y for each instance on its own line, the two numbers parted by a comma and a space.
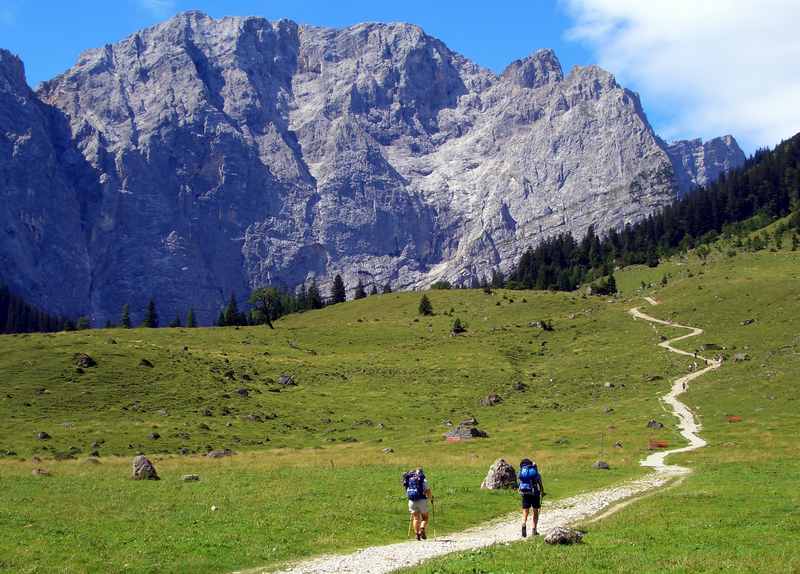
311, 475
738, 511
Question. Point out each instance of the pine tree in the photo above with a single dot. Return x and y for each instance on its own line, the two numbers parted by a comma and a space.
231, 316
338, 290
387, 289
425, 306
109, 324
125, 321
314, 296
374, 290
176, 322
498, 280
221, 319
360, 291
83, 323
150, 316
474, 282
191, 322
302, 298
611, 285
458, 327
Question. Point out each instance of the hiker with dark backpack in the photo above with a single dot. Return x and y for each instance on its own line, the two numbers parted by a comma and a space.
418, 493
532, 491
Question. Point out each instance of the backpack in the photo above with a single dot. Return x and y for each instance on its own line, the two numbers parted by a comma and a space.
414, 483
527, 478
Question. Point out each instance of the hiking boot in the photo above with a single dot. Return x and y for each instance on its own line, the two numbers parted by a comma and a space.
524, 531
419, 536
535, 532
424, 536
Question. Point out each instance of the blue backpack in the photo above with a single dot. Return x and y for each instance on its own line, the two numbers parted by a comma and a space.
527, 479
414, 483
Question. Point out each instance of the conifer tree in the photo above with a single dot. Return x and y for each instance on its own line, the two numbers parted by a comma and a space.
221, 318
151, 315
374, 290
191, 322
176, 322
231, 315
314, 296
125, 320
360, 292
338, 290
425, 306
387, 289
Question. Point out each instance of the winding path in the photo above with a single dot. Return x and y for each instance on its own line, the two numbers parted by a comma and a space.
388, 558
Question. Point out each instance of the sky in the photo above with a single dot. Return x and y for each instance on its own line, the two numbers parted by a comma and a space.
702, 67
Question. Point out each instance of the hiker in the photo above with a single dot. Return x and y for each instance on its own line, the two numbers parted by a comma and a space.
532, 491
418, 492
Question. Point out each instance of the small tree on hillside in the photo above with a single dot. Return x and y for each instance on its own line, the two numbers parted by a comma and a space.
703, 252
83, 323
498, 280
314, 296
611, 285
360, 291
374, 290
191, 322
387, 289
176, 322
150, 316
231, 316
425, 306
125, 320
458, 327
267, 302
338, 290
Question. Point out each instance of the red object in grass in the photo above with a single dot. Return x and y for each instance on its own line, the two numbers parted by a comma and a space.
734, 419
454, 439
655, 444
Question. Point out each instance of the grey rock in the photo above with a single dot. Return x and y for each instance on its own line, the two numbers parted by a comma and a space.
654, 424
204, 156
221, 453
145, 363
563, 535
739, 357
42, 435
143, 469
491, 400
501, 475
388, 451
83, 360
40, 472
190, 477
287, 381
601, 465
465, 432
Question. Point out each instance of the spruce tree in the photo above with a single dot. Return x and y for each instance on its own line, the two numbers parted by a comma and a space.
338, 290
387, 289
425, 306
360, 291
302, 298
221, 319
611, 285
498, 280
232, 316
125, 321
374, 290
151, 316
314, 296
176, 322
83, 323
191, 322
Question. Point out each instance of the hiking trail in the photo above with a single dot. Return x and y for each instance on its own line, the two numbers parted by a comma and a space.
391, 557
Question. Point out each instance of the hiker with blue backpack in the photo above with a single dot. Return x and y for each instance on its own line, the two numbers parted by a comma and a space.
418, 493
532, 491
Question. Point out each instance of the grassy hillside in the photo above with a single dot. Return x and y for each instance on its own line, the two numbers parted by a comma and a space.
738, 511
310, 475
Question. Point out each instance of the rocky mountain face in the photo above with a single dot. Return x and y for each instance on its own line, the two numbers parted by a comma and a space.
202, 157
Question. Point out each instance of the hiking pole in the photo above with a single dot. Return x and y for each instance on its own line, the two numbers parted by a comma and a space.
433, 515
410, 523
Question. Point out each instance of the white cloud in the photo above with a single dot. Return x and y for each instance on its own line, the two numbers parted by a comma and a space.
159, 8
710, 66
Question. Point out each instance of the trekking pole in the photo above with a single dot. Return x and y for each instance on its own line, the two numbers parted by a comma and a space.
433, 515
410, 523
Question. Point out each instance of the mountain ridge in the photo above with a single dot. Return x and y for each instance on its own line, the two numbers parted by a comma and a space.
219, 155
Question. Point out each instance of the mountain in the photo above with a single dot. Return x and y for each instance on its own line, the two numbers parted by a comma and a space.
202, 157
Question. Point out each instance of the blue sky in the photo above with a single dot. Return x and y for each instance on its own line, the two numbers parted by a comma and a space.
685, 61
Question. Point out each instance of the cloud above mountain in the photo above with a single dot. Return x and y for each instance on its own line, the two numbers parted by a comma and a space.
710, 67
158, 8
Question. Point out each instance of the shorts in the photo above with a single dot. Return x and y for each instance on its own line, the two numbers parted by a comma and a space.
531, 500
420, 506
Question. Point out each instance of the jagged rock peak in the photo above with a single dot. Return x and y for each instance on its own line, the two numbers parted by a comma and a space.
697, 163
540, 68
12, 72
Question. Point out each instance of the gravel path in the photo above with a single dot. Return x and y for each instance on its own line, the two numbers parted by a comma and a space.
385, 559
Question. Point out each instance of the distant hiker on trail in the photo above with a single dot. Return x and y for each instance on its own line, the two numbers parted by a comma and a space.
532, 491
418, 492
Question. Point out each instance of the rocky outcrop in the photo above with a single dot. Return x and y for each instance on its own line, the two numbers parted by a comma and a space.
697, 163
501, 475
202, 157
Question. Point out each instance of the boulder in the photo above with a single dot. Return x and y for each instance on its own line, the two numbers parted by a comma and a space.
287, 381
748, 322
563, 535
500, 475
84, 361
601, 465
739, 357
521, 387
491, 400
145, 363
40, 472
143, 469
462, 432
222, 453
154, 436
190, 477
41, 435
654, 424
388, 451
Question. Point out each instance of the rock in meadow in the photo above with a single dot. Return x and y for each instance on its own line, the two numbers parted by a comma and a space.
220, 453
654, 424
84, 361
501, 475
190, 477
601, 465
563, 535
143, 469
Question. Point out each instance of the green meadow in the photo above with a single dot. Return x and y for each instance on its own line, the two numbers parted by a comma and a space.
310, 475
